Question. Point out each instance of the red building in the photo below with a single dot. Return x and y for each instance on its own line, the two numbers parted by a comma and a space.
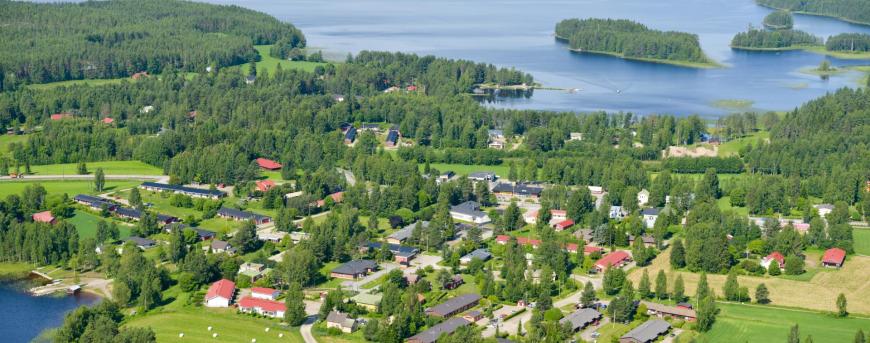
268, 164
265, 185
834, 257
615, 259
44, 217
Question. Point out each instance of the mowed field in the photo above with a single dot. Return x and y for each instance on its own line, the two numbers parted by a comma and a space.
268, 64
228, 325
109, 167
758, 323
86, 224
861, 237
6, 140
818, 293
71, 188
465, 169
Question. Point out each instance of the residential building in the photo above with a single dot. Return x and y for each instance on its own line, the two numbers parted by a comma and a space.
402, 254
454, 305
473, 316
589, 249
43, 217
584, 234
824, 209
505, 192
581, 318
354, 269
265, 293
643, 197
482, 176
263, 307
265, 185
446, 327
404, 233
235, 214
392, 139
480, 254
469, 211
221, 247
617, 212
563, 225
445, 177
220, 293
775, 256
522, 241
367, 300
336, 198
453, 283
650, 215
93, 202
575, 136
834, 258
648, 240
350, 135
676, 312
142, 243
341, 321
646, 332
189, 191
255, 271
615, 259
267, 164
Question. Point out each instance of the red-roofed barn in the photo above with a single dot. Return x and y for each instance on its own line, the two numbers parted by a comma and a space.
834, 257
44, 217
220, 293
268, 164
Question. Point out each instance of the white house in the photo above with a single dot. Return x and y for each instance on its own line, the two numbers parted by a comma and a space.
650, 215
824, 209
220, 293
469, 211
617, 212
643, 197
265, 293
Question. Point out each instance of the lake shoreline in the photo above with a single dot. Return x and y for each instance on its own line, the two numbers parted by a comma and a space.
817, 15
816, 49
708, 65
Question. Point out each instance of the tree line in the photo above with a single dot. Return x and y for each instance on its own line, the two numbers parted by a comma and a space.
853, 10
773, 39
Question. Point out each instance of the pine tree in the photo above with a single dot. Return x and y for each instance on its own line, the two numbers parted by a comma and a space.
841, 305
643, 287
731, 289
678, 254
295, 314
661, 285
588, 296
679, 289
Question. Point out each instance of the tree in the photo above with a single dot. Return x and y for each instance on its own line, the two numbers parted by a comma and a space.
794, 334
678, 254
135, 198
82, 169
762, 296
679, 289
793, 265
245, 238
643, 287
731, 289
295, 314
661, 285
99, 180
773, 269
706, 313
613, 280
703, 288
859, 337
841, 305
588, 296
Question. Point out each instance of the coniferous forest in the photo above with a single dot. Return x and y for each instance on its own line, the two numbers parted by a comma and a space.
773, 39
853, 10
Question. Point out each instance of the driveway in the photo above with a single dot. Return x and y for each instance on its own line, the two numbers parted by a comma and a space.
312, 308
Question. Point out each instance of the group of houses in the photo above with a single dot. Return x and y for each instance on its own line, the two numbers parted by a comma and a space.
98, 204
259, 300
350, 133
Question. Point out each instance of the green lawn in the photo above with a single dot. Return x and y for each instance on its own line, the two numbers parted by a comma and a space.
757, 323
71, 188
724, 203
14, 269
86, 224
5, 140
109, 167
268, 64
226, 323
861, 239
733, 146
465, 169
89, 82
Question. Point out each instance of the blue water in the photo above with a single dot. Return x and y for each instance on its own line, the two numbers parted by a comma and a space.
519, 33
23, 316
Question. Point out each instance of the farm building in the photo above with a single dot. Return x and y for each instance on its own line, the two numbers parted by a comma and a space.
220, 293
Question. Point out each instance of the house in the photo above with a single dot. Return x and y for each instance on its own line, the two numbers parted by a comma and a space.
588, 250
648, 240
108, 120
404, 233
469, 211
445, 177
411, 88
402, 254
480, 254
221, 247
454, 306
453, 283
617, 212
263, 307
446, 327
615, 259
341, 321
354, 269
505, 192
575, 136
473, 316
646, 332
563, 225
572, 248
581, 318
265, 293
498, 145
775, 256
267, 164
250, 79
482, 176
367, 300
336, 198
265, 185
834, 257
44, 217
142, 243
596, 190
643, 197
255, 271
650, 215
824, 209
220, 293
202, 234
59, 116
93, 202
496, 134
134, 214
189, 191
584, 234
392, 139
139, 75
676, 312
349, 135
522, 241
298, 236
271, 235
234, 214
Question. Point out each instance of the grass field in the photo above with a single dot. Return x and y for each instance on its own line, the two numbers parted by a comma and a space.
733, 146
228, 325
756, 323
71, 188
86, 224
824, 286
861, 238
268, 64
109, 167
14, 269
90, 82
5, 140
465, 169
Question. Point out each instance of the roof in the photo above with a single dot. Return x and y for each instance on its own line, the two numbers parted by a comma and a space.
263, 304
108, 120
266, 163
447, 327
340, 318
177, 188
581, 318
648, 331
236, 213
646, 238
128, 212
43, 217
265, 185
471, 208
776, 255
520, 240
395, 249
834, 255
90, 199
611, 259
651, 211
367, 298
482, 175
672, 310
565, 224
824, 206
263, 290
220, 245
480, 254
406, 232
591, 249
222, 288
355, 267
139, 241
350, 134
393, 136
454, 304
519, 188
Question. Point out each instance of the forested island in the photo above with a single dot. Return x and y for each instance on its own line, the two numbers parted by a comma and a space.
849, 42
779, 20
45, 42
761, 39
856, 11
632, 40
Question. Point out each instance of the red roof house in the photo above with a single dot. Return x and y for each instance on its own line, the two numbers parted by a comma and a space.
411, 88
562, 225
265, 293
572, 248
262, 306
834, 257
337, 197
590, 249
220, 293
59, 116
268, 164
774, 256
502, 239
108, 120
43, 217
265, 185
615, 259
139, 75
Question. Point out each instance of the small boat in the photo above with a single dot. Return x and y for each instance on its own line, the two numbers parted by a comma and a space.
73, 290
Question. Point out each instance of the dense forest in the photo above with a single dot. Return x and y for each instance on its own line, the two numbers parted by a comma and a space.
45, 42
778, 39
779, 20
629, 39
853, 10
857, 42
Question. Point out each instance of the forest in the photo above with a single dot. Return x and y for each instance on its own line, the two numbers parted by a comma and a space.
629, 39
773, 39
852, 10
779, 20
45, 42
857, 42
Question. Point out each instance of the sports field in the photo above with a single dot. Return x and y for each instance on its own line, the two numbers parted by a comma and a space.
226, 323
757, 323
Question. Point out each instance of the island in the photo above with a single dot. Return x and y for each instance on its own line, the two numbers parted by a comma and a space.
779, 20
761, 39
854, 11
631, 40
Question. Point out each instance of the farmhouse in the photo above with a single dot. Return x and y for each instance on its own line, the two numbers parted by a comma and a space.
264, 307
43, 217
189, 191
354, 269
677, 312
773, 257
234, 214
615, 259
481, 254
431, 335
581, 318
341, 321
265, 293
267, 164
220, 293
454, 306
93, 202
834, 258
646, 332
469, 211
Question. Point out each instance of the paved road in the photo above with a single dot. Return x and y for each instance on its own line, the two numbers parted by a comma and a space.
158, 178
311, 309
510, 325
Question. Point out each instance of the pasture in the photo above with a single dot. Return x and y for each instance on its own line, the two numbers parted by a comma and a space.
226, 323
86, 224
758, 323
109, 167
268, 64
71, 188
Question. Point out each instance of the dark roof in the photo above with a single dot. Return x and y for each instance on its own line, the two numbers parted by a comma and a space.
454, 304
648, 331
128, 212
581, 318
356, 267
350, 134
651, 211
236, 213
519, 188
92, 200
177, 188
447, 327
406, 231
396, 249
480, 254
471, 208
141, 242
165, 218
393, 136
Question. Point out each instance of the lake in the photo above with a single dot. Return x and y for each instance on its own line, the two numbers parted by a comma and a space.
519, 33
24, 317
